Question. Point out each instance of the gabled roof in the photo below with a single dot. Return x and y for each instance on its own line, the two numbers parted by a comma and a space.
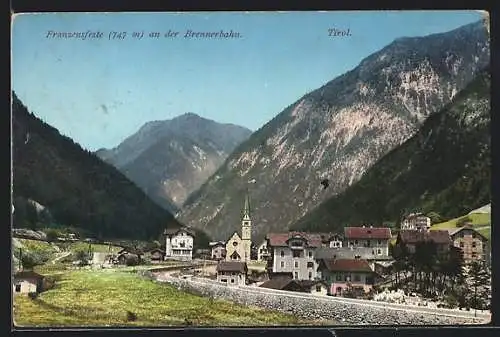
412, 237
458, 230
174, 231
281, 239
28, 274
382, 233
347, 265
216, 243
279, 283
235, 266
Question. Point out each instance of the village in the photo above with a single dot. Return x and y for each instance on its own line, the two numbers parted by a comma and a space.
417, 266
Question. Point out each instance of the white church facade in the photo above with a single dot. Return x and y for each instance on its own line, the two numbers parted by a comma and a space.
239, 247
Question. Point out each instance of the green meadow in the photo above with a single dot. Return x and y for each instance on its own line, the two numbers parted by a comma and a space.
105, 298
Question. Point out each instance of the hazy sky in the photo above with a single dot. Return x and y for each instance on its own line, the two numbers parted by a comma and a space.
99, 92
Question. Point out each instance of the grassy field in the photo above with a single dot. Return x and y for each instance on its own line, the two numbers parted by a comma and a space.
102, 298
477, 219
98, 248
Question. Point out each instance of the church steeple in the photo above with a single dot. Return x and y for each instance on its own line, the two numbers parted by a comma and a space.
246, 209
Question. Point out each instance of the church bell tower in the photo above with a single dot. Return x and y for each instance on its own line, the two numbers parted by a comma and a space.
246, 229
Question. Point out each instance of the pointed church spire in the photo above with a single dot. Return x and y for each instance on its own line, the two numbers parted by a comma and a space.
246, 209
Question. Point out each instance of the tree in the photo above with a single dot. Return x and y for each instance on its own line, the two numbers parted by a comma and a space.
31, 259
52, 234
435, 217
83, 256
479, 282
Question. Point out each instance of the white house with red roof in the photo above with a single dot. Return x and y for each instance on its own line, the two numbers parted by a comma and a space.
376, 238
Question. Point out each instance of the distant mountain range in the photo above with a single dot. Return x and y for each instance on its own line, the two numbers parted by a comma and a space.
339, 131
172, 158
78, 188
445, 167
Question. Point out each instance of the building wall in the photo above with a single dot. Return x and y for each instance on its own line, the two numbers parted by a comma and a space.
337, 288
323, 290
472, 245
341, 279
27, 286
298, 266
231, 248
218, 252
262, 251
174, 248
231, 278
381, 247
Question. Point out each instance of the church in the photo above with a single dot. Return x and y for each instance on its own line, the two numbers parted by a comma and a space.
238, 248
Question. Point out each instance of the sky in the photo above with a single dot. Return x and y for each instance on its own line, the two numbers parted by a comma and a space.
100, 91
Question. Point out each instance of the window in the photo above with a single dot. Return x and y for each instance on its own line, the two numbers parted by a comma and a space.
282, 264
310, 275
338, 277
282, 253
296, 253
355, 242
474, 245
379, 242
310, 254
318, 288
461, 244
357, 278
379, 252
296, 275
235, 243
224, 280
18, 288
296, 264
310, 265
232, 280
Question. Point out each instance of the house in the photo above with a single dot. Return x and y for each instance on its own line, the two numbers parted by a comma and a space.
364, 253
262, 251
27, 281
376, 238
410, 239
239, 248
416, 221
293, 252
204, 254
315, 287
335, 241
232, 272
472, 243
157, 255
343, 274
282, 283
179, 244
218, 250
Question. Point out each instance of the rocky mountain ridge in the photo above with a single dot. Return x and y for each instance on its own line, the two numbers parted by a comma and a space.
445, 168
170, 159
337, 132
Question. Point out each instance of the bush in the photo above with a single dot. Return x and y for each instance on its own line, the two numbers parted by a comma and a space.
131, 317
451, 301
33, 295
132, 260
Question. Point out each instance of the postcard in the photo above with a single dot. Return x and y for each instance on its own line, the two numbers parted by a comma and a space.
251, 169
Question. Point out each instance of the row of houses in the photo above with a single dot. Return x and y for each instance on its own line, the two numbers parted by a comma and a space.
354, 261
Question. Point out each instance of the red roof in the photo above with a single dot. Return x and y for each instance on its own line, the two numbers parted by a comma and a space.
280, 239
344, 265
367, 233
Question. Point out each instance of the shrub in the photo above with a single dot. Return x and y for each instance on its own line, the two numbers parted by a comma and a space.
131, 317
451, 301
33, 295
132, 260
